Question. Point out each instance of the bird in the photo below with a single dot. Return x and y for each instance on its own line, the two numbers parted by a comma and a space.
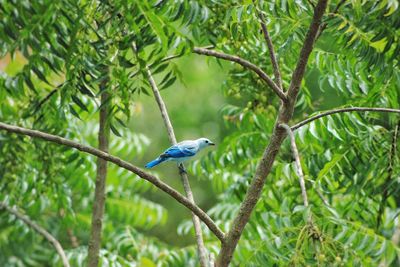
181, 152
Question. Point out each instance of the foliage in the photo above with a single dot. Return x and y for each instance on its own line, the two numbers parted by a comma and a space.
62, 50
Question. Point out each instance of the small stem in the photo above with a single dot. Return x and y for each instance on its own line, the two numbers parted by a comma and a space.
299, 169
272, 55
342, 110
322, 197
247, 65
47, 97
385, 193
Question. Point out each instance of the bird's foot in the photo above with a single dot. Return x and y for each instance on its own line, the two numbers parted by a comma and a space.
182, 169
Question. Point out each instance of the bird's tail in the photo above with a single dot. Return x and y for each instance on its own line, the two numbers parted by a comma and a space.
153, 163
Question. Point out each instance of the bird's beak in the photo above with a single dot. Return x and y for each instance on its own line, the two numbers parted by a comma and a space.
212, 144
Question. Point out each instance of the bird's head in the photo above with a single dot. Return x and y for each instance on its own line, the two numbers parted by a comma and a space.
204, 142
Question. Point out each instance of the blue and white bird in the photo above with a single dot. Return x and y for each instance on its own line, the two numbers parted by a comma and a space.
181, 151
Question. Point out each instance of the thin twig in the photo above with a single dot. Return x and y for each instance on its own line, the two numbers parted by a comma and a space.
168, 58
342, 110
246, 64
322, 197
124, 164
299, 169
48, 96
272, 55
385, 193
185, 181
162, 107
50, 238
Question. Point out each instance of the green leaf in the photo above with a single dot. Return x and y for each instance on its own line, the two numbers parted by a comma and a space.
39, 74
79, 102
29, 82
160, 68
168, 83
125, 63
73, 112
379, 45
330, 165
115, 130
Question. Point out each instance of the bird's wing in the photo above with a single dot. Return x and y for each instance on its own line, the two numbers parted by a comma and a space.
187, 143
179, 151
189, 147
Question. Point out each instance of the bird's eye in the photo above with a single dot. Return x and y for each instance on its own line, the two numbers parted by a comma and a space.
206, 141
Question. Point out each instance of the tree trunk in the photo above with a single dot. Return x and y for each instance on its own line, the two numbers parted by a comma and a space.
99, 197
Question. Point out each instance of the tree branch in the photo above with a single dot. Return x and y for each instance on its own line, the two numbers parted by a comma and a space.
246, 64
264, 166
342, 110
299, 169
124, 164
51, 239
306, 50
201, 249
272, 56
101, 176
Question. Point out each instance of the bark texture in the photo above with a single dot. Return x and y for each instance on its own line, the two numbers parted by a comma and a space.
100, 188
